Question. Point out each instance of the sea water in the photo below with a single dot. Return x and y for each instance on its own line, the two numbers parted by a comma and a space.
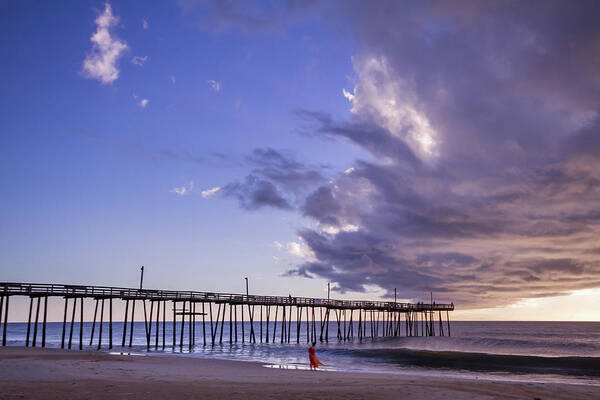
532, 351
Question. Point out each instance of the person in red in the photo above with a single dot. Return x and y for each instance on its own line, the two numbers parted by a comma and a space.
314, 361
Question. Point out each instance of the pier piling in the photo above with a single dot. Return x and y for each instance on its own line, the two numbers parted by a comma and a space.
419, 318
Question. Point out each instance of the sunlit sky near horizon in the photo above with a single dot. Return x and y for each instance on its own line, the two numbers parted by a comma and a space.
445, 146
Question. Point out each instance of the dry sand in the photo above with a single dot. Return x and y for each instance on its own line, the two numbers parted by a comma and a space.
27, 373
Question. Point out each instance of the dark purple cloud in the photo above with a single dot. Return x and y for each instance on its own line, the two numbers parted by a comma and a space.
482, 182
277, 180
256, 193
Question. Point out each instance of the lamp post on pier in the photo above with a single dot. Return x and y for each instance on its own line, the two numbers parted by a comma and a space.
246, 278
142, 278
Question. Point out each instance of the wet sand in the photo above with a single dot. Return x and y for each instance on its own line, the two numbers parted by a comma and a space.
27, 373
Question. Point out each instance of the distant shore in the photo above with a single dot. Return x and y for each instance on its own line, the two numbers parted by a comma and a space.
56, 374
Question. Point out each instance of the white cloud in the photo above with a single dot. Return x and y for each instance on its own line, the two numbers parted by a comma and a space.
389, 101
298, 249
350, 228
101, 62
139, 60
210, 192
183, 190
214, 85
334, 230
143, 103
349, 171
348, 95
144, 23
173, 79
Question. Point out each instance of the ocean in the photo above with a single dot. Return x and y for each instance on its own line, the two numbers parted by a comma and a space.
530, 351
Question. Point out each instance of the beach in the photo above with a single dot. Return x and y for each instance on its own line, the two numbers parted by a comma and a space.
28, 373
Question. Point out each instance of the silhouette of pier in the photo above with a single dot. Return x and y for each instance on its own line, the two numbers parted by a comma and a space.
354, 319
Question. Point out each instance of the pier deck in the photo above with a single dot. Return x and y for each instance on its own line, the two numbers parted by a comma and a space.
419, 318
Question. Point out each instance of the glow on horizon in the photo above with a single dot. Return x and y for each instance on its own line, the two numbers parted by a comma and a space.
580, 305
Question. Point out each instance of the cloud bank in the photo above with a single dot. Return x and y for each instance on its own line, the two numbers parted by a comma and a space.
483, 180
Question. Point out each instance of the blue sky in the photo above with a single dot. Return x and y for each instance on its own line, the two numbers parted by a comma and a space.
88, 173
436, 146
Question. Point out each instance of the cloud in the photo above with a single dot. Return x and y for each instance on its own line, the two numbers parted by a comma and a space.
214, 85
139, 61
210, 192
255, 193
483, 175
183, 190
348, 95
299, 249
479, 177
143, 103
288, 173
144, 23
277, 180
101, 62
247, 16
151, 153
388, 101
173, 81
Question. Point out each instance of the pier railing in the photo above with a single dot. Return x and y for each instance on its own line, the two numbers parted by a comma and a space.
64, 290
419, 318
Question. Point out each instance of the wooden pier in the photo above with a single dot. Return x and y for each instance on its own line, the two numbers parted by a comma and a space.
354, 319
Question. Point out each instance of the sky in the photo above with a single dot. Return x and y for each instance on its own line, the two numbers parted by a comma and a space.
445, 147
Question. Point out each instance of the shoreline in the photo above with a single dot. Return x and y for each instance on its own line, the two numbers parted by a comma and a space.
35, 373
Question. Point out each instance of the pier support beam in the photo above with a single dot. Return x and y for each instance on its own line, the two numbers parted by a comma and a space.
7, 298
182, 327
64, 327
174, 324
94, 323
125, 323
101, 324
80, 324
72, 323
204, 325
35, 327
28, 321
157, 325
132, 322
